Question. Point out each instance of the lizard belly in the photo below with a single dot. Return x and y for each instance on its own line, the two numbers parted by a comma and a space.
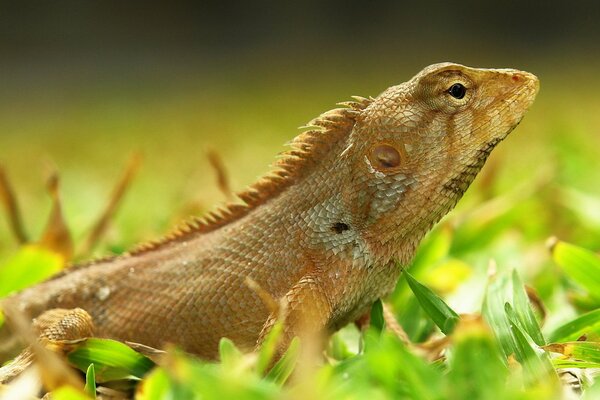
194, 315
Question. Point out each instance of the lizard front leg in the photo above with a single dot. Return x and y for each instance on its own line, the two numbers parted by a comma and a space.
56, 329
305, 310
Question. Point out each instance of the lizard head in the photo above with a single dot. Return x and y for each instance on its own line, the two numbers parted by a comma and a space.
417, 146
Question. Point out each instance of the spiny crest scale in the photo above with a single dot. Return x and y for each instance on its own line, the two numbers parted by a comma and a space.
306, 149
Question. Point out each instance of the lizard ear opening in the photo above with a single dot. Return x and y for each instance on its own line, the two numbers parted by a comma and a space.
385, 157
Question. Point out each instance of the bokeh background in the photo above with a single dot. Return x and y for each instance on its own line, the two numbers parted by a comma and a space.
84, 84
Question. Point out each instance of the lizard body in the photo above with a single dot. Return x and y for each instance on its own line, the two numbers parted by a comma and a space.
325, 231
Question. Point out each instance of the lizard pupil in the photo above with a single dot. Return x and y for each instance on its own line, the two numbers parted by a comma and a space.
457, 91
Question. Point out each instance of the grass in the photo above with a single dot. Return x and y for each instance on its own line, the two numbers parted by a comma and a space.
493, 309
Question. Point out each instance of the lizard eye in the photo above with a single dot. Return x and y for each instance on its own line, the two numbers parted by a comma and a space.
457, 91
385, 156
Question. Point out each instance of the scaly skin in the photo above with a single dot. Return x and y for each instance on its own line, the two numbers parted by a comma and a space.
327, 232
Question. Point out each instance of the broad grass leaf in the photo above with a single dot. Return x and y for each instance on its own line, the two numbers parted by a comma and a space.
587, 324
442, 315
112, 360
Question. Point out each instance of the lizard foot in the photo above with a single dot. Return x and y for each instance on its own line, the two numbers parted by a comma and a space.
57, 330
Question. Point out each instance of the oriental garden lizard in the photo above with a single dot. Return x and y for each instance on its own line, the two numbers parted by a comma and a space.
325, 234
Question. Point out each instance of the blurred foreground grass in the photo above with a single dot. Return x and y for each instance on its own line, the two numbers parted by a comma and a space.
541, 183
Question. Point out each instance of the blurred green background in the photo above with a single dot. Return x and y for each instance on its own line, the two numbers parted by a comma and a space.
85, 84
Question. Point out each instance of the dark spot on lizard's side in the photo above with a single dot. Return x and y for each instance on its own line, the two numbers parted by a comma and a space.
339, 227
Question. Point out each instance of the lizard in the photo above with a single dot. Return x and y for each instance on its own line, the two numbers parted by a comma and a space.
326, 233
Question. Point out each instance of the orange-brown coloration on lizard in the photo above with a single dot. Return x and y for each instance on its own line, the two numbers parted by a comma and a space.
328, 231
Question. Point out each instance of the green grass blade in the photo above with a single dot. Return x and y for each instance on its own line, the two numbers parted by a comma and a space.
587, 324
90, 382
523, 311
377, 321
442, 315
505, 304
583, 351
495, 315
579, 264
282, 370
269, 347
535, 361
566, 363
112, 360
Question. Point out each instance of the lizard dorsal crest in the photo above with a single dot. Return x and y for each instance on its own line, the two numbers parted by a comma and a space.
306, 150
